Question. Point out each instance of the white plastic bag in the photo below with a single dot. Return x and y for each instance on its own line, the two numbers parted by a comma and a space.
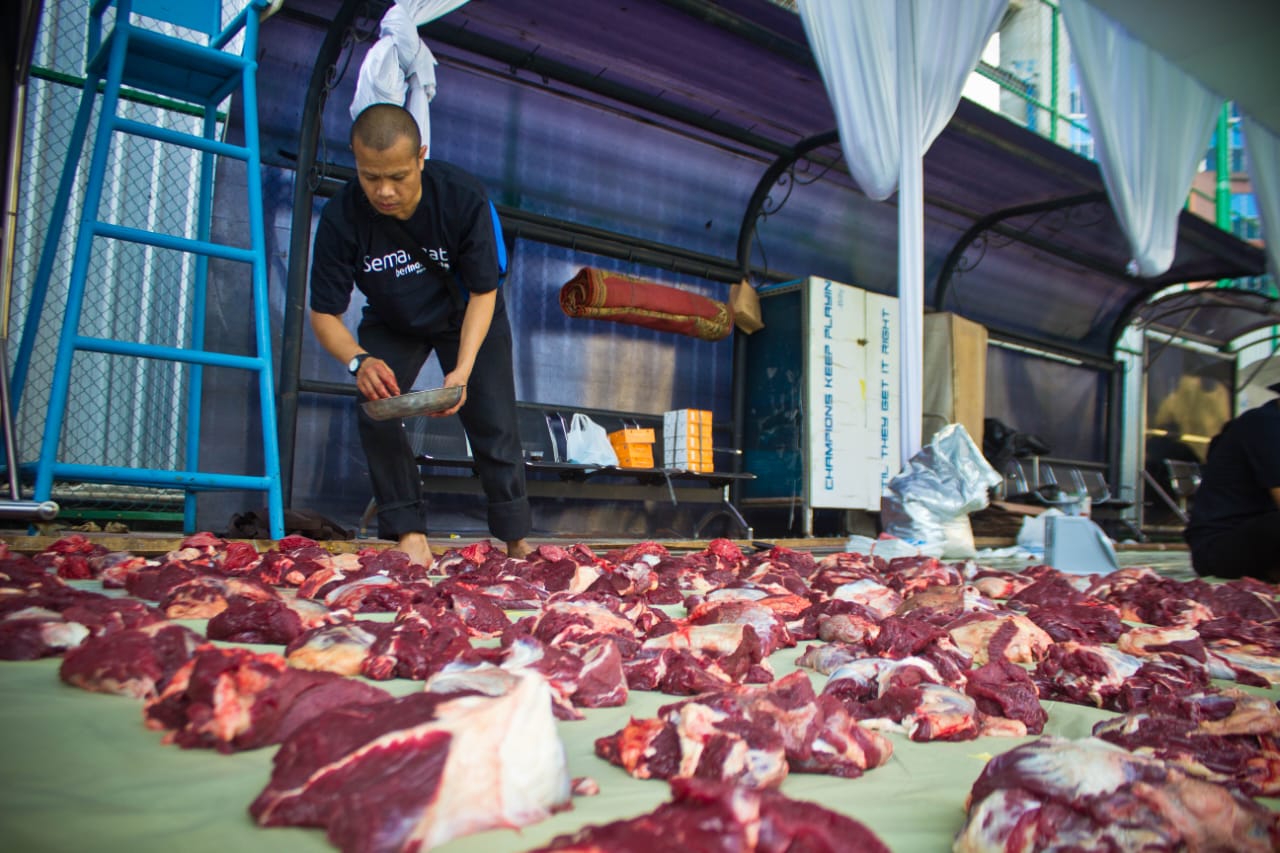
587, 443
930, 500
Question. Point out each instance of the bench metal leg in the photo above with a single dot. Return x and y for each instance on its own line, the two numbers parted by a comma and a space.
369, 512
1163, 495
726, 508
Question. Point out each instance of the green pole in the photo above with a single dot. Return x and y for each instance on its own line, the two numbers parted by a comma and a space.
1053, 68
1222, 193
1222, 189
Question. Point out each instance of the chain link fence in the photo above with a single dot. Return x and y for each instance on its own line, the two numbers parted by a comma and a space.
121, 411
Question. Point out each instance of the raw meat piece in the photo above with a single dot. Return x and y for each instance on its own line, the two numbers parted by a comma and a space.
578, 619
416, 648
602, 683
867, 678
943, 713
559, 668
1085, 623
102, 614
20, 574
98, 613
1228, 737
768, 626
876, 597
117, 567
232, 699
206, 596
999, 585
909, 574
906, 696
137, 662
556, 570
42, 636
276, 621
752, 736
240, 558
324, 580
341, 649
1243, 598
482, 616
370, 594
1142, 641
719, 639
1003, 689
1084, 674
411, 773
837, 569
1242, 634
947, 599
735, 649
72, 557
844, 622
1253, 669
587, 676
713, 816
1161, 677
1052, 590
1158, 601
826, 658
297, 565
984, 636
154, 582
1057, 794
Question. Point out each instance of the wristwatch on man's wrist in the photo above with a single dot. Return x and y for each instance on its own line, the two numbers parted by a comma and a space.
353, 366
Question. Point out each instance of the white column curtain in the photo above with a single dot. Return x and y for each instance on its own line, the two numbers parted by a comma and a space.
894, 70
1263, 148
1151, 123
399, 68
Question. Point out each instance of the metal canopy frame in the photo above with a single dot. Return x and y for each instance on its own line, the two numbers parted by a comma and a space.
770, 31
1238, 312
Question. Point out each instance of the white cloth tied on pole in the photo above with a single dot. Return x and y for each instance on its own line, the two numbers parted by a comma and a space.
400, 69
888, 69
856, 44
1263, 148
1150, 122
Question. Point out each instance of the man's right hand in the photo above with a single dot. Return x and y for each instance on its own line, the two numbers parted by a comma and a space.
376, 380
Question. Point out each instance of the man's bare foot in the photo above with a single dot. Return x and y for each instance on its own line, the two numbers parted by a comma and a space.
519, 549
418, 549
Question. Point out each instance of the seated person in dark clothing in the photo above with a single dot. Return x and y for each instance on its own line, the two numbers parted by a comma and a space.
1235, 523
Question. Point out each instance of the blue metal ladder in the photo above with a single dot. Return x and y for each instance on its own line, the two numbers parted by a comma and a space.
122, 53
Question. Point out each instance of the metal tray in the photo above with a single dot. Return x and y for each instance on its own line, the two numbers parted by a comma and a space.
414, 403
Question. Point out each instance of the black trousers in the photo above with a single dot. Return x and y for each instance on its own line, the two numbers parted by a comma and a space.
1252, 549
488, 416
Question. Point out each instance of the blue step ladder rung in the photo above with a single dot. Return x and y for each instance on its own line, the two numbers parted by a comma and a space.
204, 75
176, 137
172, 241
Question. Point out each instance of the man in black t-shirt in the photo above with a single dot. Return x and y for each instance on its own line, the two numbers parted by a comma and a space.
450, 305
1235, 520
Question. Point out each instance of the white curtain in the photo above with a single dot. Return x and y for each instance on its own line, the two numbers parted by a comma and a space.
1263, 148
400, 68
857, 47
1150, 122
894, 70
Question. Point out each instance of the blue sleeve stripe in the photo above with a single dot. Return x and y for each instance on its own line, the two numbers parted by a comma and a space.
498, 241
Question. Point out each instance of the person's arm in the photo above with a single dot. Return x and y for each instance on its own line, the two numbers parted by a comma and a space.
374, 379
475, 326
1275, 496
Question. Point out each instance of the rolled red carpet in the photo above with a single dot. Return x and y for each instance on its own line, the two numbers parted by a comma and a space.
602, 295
